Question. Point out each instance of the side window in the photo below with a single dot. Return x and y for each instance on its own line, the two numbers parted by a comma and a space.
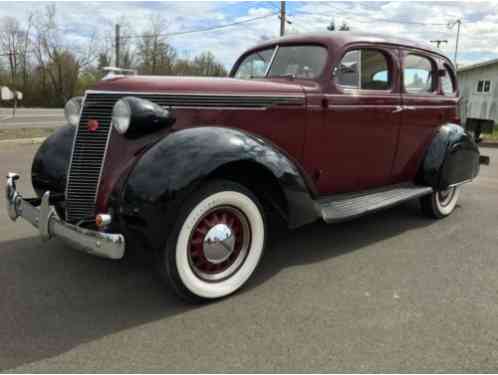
480, 86
347, 74
487, 86
365, 69
483, 86
255, 65
448, 82
418, 74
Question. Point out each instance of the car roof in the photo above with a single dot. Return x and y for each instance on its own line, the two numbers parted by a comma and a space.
340, 38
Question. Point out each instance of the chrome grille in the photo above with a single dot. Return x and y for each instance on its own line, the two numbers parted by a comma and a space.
88, 156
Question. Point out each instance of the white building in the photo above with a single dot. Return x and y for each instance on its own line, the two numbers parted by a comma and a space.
479, 90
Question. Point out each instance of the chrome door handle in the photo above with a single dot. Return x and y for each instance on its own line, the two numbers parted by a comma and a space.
409, 108
398, 109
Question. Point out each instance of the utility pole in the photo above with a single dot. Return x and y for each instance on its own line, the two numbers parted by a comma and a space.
13, 65
282, 18
438, 42
116, 44
459, 23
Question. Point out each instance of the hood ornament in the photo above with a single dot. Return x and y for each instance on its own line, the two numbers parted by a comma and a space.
115, 72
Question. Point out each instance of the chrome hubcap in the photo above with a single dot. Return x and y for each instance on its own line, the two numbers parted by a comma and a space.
219, 243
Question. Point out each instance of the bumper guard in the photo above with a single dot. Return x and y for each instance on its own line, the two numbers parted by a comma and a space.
42, 216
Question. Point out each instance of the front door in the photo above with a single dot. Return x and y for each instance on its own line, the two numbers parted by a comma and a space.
354, 147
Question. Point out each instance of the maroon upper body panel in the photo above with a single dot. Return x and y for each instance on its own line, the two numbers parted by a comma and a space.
345, 138
197, 85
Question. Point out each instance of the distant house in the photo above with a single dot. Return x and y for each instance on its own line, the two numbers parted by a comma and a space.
479, 90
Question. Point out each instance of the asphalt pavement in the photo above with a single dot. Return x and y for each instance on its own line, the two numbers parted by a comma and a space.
31, 118
393, 291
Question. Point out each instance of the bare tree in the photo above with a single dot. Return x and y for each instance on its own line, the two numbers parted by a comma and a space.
14, 43
49, 66
156, 55
206, 65
60, 64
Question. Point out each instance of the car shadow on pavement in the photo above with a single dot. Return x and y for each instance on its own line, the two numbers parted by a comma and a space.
319, 241
53, 299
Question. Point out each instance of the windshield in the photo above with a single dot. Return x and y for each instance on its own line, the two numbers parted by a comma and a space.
305, 62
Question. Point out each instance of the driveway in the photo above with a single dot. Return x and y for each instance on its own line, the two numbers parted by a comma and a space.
394, 291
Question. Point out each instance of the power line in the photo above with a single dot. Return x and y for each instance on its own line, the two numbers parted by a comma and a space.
371, 20
394, 21
179, 33
273, 5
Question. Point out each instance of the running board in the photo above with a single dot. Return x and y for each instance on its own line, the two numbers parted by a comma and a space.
341, 207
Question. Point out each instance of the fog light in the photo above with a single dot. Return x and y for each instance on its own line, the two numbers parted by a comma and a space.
103, 220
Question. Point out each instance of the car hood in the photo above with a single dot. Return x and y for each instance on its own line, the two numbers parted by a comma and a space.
198, 85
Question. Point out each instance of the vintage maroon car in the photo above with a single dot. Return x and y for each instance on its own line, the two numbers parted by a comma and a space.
328, 126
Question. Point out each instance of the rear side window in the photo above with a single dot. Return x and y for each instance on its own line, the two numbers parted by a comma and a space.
365, 69
418, 74
448, 82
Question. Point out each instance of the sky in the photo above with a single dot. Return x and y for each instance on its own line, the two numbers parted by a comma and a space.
424, 21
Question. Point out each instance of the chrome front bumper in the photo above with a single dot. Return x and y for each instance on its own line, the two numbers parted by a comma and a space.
43, 217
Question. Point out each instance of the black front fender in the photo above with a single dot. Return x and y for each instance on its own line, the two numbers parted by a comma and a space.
51, 161
175, 166
452, 158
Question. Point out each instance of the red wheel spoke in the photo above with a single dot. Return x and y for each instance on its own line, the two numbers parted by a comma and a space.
236, 223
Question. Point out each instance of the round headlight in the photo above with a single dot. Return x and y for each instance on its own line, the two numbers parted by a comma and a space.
121, 116
72, 110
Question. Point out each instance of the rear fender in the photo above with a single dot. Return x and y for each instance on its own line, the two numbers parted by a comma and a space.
452, 158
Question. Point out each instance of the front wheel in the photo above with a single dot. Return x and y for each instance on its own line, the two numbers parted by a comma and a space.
440, 204
216, 243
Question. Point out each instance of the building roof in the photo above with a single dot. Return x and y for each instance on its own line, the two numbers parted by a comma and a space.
478, 65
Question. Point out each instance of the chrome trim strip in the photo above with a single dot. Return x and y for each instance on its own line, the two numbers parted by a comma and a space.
107, 245
222, 108
186, 93
204, 101
461, 183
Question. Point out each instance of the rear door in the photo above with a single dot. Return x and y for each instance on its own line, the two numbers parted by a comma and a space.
425, 109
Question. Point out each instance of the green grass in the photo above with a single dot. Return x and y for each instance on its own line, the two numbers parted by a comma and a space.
492, 137
25, 133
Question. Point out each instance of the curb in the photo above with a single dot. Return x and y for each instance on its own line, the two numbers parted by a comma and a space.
22, 141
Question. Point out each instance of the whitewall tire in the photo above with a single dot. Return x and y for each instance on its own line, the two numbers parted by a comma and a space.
217, 242
440, 203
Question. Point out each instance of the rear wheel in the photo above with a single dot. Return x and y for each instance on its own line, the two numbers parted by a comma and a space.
216, 243
440, 204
